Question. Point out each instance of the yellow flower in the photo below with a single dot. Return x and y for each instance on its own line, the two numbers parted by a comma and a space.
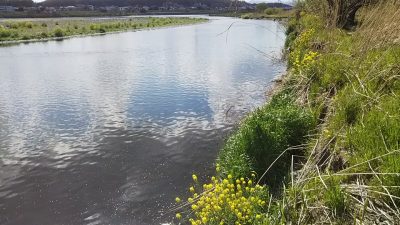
177, 199
258, 216
229, 176
194, 177
191, 189
178, 216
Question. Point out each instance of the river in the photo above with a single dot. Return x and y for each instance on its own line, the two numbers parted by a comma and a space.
108, 129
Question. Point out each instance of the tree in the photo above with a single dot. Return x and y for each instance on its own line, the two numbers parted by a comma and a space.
343, 12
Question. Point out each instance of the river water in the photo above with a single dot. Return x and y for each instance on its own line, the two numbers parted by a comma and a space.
108, 129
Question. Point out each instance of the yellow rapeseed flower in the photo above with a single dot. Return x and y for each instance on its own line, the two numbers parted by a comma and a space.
194, 177
177, 199
178, 216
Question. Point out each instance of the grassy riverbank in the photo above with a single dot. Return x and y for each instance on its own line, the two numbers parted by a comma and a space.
326, 147
25, 30
268, 14
274, 14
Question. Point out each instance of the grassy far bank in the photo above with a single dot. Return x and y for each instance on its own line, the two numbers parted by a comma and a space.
326, 147
14, 30
271, 13
263, 11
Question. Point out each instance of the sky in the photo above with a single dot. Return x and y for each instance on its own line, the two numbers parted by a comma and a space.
258, 1
251, 1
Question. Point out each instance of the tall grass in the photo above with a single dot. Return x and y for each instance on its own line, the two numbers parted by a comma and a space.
263, 136
356, 81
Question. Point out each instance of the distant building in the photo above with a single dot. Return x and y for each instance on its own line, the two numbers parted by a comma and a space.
124, 9
70, 8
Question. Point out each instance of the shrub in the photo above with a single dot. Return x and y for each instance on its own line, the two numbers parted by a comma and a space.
26, 37
59, 33
44, 35
4, 33
102, 30
246, 16
29, 25
93, 27
272, 11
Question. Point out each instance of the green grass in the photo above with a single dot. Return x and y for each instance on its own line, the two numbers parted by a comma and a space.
14, 30
270, 13
263, 136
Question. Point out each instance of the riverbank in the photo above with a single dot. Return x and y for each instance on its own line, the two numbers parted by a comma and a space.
325, 148
14, 31
280, 14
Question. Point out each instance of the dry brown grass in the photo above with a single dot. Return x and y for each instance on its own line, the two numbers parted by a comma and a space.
379, 25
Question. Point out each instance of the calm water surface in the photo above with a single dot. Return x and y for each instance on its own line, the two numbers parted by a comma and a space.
109, 129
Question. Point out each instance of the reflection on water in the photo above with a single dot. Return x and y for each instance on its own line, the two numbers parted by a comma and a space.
108, 129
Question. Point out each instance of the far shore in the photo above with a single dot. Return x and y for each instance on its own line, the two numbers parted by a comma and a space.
52, 29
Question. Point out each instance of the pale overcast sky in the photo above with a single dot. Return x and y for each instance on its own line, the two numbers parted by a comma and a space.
252, 1
257, 1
